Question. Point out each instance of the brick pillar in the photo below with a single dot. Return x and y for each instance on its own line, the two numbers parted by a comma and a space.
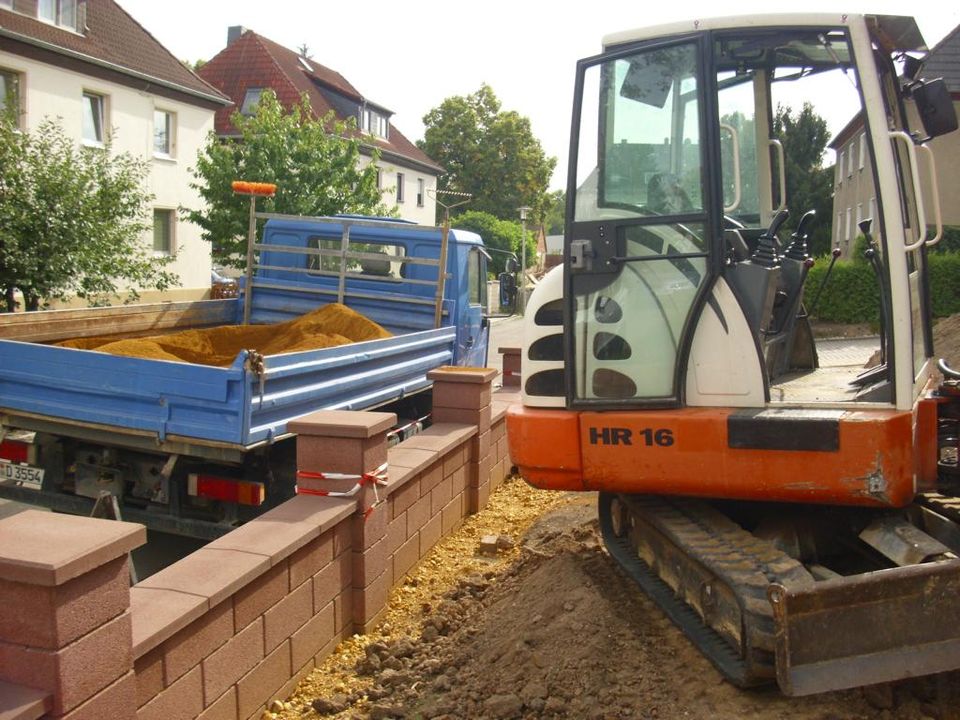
339, 441
65, 594
511, 366
462, 395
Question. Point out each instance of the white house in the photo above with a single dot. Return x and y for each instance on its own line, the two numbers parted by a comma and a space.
93, 66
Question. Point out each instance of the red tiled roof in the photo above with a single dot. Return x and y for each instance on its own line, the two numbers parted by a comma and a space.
112, 38
253, 61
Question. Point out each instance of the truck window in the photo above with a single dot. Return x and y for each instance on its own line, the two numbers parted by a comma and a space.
476, 278
363, 258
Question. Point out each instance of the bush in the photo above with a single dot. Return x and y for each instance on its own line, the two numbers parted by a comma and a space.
852, 294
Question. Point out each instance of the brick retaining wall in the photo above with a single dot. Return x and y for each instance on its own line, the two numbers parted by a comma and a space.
241, 621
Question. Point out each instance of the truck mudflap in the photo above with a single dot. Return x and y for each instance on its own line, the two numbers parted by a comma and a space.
865, 629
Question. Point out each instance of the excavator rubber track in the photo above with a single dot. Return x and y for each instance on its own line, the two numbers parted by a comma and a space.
707, 574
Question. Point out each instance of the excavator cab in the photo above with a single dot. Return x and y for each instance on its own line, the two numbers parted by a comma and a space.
672, 362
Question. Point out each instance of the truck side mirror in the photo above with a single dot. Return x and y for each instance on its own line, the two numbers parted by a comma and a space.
935, 107
508, 290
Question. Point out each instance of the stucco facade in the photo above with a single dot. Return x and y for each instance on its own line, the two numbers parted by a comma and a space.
57, 77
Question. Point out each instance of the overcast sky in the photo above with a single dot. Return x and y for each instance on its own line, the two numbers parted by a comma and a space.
410, 56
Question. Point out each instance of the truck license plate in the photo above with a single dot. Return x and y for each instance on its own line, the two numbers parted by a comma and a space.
22, 474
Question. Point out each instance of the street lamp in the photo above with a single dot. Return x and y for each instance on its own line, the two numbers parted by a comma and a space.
522, 305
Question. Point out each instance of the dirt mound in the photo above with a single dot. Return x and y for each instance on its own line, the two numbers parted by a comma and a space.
328, 326
563, 634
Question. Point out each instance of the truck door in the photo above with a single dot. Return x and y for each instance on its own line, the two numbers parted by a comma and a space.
639, 244
474, 333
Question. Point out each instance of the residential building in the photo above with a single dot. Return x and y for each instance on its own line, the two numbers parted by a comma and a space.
854, 196
252, 63
90, 64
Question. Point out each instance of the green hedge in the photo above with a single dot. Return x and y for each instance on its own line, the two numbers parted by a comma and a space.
852, 295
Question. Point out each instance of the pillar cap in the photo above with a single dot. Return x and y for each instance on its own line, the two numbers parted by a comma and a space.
44, 548
453, 373
343, 423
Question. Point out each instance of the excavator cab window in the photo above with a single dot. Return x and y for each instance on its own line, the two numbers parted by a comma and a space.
714, 158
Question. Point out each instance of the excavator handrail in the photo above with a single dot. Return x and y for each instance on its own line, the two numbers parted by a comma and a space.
918, 197
782, 170
737, 190
935, 192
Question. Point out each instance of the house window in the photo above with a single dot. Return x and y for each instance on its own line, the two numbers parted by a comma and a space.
93, 117
840, 168
419, 192
163, 223
10, 94
58, 12
849, 233
399, 187
850, 161
164, 126
839, 234
373, 122
250, 100
863, 149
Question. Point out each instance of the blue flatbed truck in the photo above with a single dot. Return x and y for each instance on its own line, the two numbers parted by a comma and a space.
75, 424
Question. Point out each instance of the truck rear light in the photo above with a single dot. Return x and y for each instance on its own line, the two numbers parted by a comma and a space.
227, 489
16, 451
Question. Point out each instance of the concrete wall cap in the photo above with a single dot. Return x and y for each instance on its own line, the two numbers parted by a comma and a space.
42, 548
508, 350
343, 423
22, 703
451, 373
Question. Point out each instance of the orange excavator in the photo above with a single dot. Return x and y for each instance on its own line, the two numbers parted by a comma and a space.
790, 505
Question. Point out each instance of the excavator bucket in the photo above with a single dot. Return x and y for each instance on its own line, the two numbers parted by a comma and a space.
866, 629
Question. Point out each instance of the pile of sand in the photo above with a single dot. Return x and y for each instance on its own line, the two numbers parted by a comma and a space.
329, 326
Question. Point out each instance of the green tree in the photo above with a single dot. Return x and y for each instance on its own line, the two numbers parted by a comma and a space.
72, 219
489, 153
553, 223
314, 164
804, 136
497, 234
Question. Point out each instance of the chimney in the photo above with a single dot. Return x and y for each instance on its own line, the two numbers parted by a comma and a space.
234, 32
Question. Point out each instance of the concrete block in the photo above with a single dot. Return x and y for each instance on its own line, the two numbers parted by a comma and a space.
452, 515
468, 396
370, 528
43, 548
148, 671
259, 595
332, 580
430, 533
406, 557
459, 480
235, 659
340, 455
343, 535
478, 498
258, 686
183, 699
371, 600
288, 615
404, 497
117, 701
310, 559
454, 460
77, 672
406, 456
417, 516
478, 418
479, 472
479, 446
51, 617
440, 496
290, 686
370, 564
396, 533
460, 374
430, 477
223, 708
202, 637
306, 642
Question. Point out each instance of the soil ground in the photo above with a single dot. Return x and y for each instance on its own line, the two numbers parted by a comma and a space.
550, 627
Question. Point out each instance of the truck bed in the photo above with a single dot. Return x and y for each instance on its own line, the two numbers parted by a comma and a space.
171, 402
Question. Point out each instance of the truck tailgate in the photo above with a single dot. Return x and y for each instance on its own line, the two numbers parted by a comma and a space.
243, 404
